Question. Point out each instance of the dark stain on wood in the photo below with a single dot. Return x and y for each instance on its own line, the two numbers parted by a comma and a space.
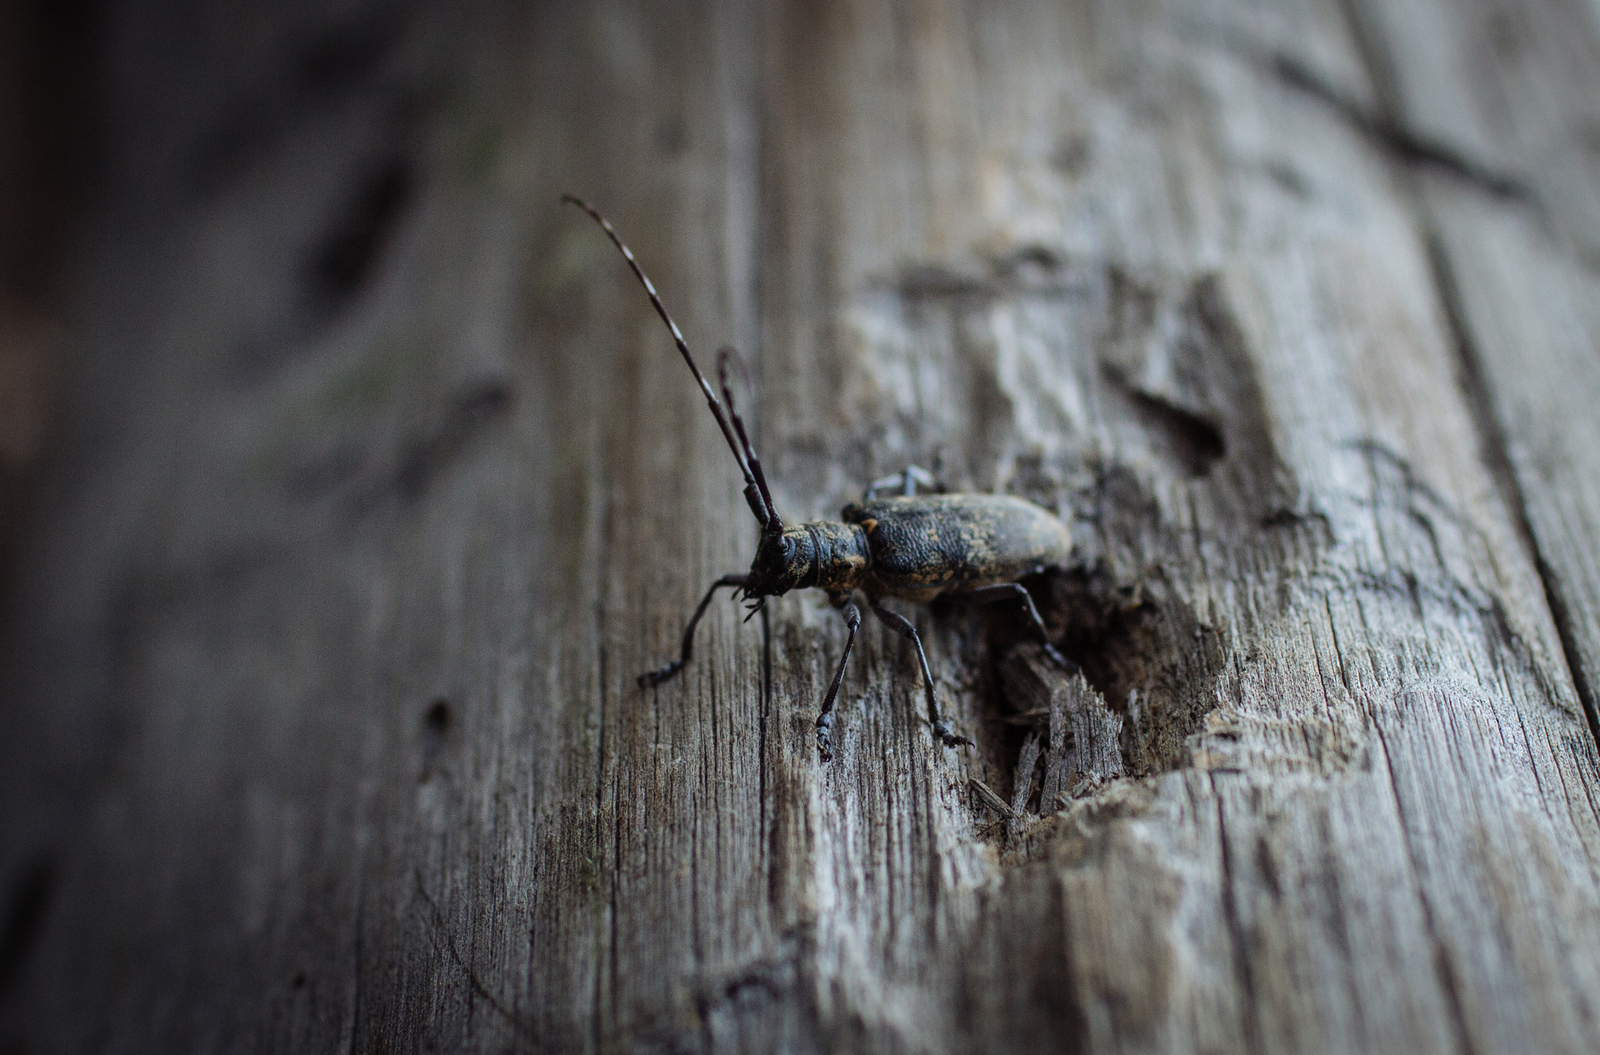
351, 247
436, 445
24, 918
317, 69
1402, 143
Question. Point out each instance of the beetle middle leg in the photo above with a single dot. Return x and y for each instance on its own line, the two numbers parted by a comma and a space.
1007, 590
902, 626
906, 481
656, 677
852, 619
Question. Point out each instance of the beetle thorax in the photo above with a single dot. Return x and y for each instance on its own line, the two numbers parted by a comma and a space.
824, 554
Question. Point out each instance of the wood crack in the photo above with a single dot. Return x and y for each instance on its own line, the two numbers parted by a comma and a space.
1230, 908
355, 969
1449, 984
1400, 141
602, 577
1497, 453
442, 930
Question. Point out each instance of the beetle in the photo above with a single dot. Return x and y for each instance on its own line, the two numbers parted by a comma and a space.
908, 546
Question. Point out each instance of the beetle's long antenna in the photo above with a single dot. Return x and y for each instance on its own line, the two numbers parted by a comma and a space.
724, 357
755, 491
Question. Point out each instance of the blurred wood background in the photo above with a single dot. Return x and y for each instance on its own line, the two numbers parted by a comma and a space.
375, 484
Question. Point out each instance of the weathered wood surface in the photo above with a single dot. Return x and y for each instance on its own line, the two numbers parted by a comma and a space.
321, 727
1516, 89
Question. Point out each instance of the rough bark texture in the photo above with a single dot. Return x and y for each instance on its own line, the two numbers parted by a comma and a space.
383, 484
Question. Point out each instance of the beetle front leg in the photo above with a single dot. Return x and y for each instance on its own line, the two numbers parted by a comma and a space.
852, 619
1007, 590
656, 677
902, 626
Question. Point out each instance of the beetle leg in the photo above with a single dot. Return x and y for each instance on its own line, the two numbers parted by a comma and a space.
656, 677
906, 481
872, 488
1001, 592
852, 619
902, 626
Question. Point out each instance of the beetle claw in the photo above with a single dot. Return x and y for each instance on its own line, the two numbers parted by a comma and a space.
948, 736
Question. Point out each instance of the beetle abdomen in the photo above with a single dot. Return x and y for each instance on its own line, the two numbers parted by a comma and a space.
925, 545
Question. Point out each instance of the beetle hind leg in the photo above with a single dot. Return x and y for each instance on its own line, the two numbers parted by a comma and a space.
1007, 590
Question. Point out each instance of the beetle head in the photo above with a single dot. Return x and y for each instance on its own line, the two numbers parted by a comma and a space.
785, 560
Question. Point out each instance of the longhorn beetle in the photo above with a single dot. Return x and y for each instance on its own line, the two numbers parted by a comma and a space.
910, 546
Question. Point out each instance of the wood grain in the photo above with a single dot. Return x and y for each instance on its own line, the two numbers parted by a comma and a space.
1519, 267
385, 484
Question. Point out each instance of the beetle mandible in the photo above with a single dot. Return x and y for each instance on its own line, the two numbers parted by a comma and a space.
912, 547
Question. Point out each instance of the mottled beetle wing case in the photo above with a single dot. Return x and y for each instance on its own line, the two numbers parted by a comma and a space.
925, 545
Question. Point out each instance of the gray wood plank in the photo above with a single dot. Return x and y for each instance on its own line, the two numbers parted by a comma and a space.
331, 736
1517, 88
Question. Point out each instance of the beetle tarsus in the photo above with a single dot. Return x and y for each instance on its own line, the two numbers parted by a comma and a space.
948, 736
655, 677
825, 737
